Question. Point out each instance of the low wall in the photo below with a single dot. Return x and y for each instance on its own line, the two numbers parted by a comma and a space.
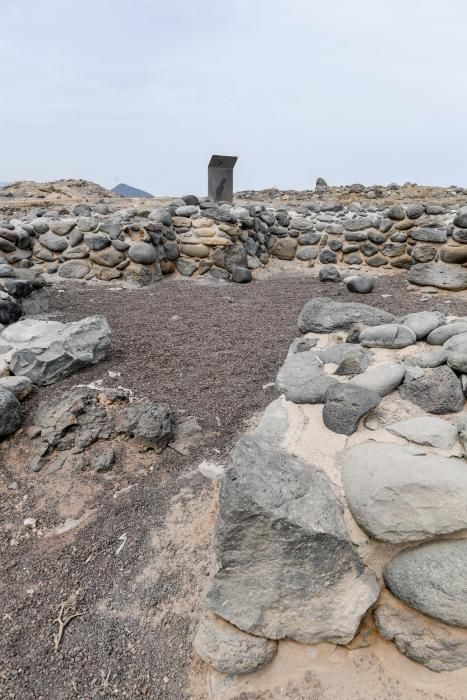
140, 245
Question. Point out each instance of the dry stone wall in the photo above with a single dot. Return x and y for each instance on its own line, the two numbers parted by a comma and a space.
195, 237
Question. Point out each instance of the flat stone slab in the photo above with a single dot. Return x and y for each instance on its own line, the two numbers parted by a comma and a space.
424, 640
437, 390
324, 315
345, 405
396, 493
432, 578
426, 430
301, 378
381, 379
389, 335
439, 275
286, 566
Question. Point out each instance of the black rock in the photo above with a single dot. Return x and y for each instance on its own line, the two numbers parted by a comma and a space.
329, 274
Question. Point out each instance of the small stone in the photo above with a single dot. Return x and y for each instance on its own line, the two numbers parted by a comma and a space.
345, 405
329, 274
30, 522
361, 284
438, 391
390, 335
241, 275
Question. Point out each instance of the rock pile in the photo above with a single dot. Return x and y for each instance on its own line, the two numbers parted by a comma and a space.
352, 458
194, 236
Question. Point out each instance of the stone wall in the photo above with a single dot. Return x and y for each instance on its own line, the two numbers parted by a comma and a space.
347, 506
195, 237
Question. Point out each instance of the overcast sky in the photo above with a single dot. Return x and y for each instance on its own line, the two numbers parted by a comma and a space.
143, 91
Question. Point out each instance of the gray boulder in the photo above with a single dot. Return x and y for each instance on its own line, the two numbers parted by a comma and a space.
286, 566
423, 322
74, 269
10, 413
52, 242
398, 493
429, 234
439, 275
456, 344
437, 391
152, 425
389, 335
440, 335
361, 284
345, 405
432, 578
381, 379
301, 378
142, 253
230, 650
426, 430
45, 351
324, 315
437, 646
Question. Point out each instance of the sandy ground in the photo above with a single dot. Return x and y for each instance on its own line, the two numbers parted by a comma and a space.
206, 351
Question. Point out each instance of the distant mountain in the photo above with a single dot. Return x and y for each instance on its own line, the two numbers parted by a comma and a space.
127, 191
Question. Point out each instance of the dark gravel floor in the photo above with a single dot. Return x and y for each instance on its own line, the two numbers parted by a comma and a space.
211, 361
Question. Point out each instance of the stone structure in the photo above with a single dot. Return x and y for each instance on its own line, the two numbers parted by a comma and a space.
349, 500
189, 237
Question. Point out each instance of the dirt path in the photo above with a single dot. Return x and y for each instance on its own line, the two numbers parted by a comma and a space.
206, 352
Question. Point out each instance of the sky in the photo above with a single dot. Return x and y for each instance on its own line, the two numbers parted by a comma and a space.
144, 91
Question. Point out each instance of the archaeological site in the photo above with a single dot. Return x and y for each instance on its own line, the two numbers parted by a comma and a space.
234, 443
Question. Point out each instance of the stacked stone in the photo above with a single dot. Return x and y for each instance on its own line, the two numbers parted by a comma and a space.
192, 236
287, 565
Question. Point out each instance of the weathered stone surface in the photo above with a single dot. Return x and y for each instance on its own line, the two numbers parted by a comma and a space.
345, 405
454, 255
10, 413
53, 242
286, 566
96, 241
284, 248
301, 378
438, 275
197, 250
353, 363
334, 353
45, 351
152, 425
229, 649
142, 253
424, 640
432, 578
109, 257
425, 430
19, 386
427, 359
307, 253
74, 269
457, 343
324, 315
423, 322
234, 256
398, 493
62, 227
329, 274
423, 252
437, 391
389, 335
186, 266
457, 361
241, 275
429, 234
440, 335
381, 379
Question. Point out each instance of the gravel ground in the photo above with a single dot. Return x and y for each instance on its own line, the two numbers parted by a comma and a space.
204, 351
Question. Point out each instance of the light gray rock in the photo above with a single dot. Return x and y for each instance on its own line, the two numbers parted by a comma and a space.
437, 646
398, 493
74, 269
440, 275
142, 253
187, 267
457, 361
427, 359
381, 379
286, 566
335, 353
443, 333
432, 578
345, 405
229, 649
429, 234
10, 413
438, 391
274, 423
389, 335
62, 227
426, 430
52, 242
301, 378
19, 386
324, 315
423, 322
457, 343
45, 351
